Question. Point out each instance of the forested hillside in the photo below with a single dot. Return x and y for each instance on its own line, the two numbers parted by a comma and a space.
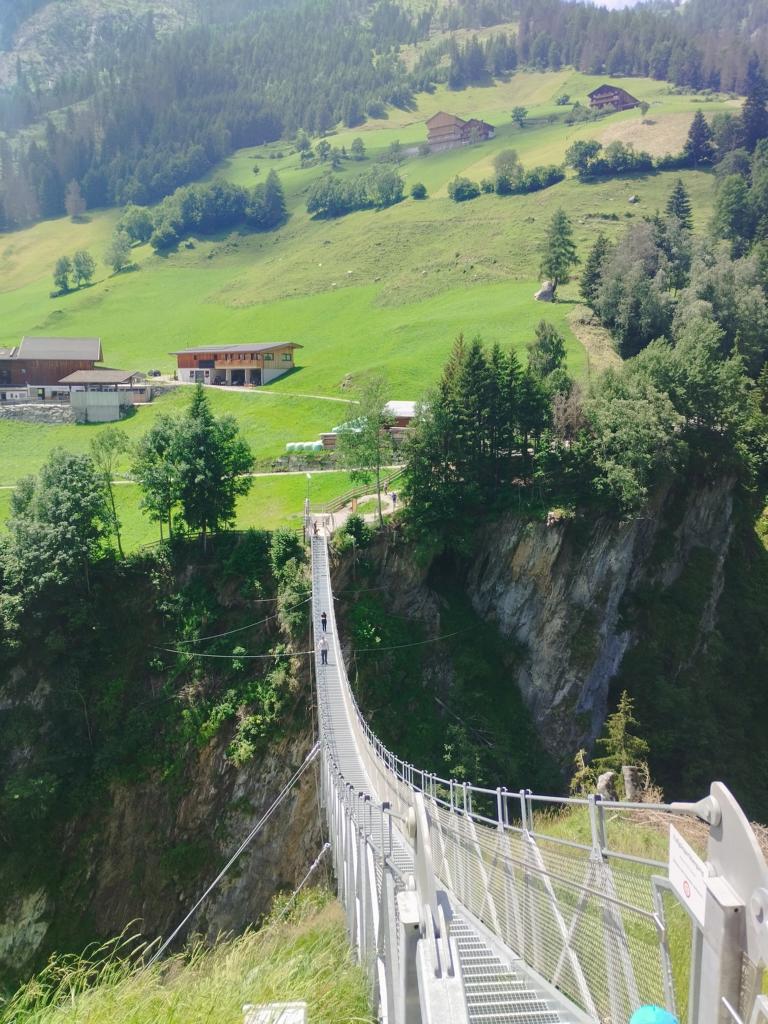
149, 111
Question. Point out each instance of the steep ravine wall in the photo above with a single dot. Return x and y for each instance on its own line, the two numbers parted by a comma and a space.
560, 590
560, 594
155, 846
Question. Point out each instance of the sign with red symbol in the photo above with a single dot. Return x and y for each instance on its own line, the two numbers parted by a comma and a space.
688, 875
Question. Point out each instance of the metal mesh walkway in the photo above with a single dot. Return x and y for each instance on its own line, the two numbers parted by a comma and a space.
493, 990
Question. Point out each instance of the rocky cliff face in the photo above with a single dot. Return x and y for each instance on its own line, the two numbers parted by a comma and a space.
560, 590
560, 594
154, 848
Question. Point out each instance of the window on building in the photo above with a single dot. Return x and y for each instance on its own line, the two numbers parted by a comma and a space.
286, 357
269, 357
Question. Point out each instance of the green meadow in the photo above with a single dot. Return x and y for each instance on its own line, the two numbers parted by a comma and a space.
373, 292
266, 420
273, 501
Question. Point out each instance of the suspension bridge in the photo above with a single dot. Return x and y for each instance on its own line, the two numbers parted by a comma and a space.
464, 908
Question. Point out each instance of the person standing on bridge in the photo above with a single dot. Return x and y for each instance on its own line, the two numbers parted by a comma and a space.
314, 527
322, 646
324, 621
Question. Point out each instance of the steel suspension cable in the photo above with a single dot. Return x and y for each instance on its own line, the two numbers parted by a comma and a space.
251, 835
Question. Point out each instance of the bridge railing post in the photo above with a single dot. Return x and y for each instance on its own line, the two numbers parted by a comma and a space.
735, 928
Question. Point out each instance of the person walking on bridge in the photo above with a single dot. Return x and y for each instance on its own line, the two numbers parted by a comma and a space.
322, 646
324, 621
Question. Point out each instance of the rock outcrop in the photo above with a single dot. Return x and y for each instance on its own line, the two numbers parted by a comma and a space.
558, 590
155, 846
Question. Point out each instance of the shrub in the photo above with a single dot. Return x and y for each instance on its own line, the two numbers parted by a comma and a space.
357, 527
331, 196
462, 189
285, 547
487, 185
418, 191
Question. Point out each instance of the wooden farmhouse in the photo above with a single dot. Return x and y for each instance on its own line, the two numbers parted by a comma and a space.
251, 365
612, 96
42, 362
447, 131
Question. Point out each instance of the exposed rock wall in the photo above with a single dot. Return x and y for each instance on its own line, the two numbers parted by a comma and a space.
560, 590
155, 847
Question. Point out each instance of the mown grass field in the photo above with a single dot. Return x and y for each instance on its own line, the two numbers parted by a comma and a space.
375, 291
273, 501
266, 420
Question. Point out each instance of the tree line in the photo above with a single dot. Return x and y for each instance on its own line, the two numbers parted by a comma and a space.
190, 470
153, 124
494, 434
142, 125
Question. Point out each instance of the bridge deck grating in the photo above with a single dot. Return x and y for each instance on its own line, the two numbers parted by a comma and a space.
495, 992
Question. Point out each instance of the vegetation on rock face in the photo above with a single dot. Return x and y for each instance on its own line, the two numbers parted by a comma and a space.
449, 706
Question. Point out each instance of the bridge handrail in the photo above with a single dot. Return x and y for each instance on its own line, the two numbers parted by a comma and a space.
596, 932
336, 504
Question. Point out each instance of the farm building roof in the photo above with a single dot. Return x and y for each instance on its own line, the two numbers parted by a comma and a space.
99, 376
59, 348
441, 117
605, 87
404, 410
235, 348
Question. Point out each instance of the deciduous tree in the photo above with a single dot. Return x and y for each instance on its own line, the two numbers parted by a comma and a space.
61, 273
365, 444
83, 267
212, 461
137, 223
106, 449
155, 469
118, 254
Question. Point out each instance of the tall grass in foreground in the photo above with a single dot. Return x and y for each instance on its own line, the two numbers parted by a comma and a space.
304, 956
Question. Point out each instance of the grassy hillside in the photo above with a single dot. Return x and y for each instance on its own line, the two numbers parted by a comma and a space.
370, 274
305, 956
375, 291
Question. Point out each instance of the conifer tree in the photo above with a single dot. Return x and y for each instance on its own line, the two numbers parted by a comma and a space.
547, 353
754, 114
533, 414
698, 148
275, 210
620, 744
679, 205
592, 274
558, 250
